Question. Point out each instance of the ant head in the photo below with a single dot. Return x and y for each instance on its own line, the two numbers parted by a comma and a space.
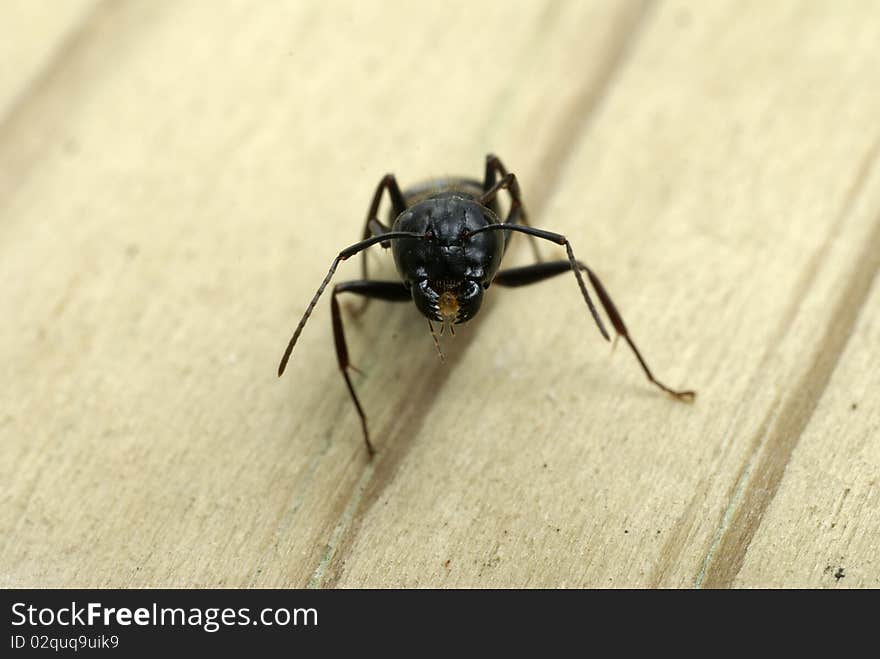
446, 267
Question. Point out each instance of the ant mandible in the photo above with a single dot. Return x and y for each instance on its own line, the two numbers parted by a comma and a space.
448, 244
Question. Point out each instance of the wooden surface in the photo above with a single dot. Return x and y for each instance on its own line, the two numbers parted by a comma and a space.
175, 178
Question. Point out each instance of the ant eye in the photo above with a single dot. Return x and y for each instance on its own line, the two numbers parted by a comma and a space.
429, 235
485, 285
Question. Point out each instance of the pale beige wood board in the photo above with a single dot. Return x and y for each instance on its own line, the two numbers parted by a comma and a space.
170, 206
714, 192
823, 526
175, 192
34, 34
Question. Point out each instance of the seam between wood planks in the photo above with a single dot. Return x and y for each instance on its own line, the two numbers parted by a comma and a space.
553, 161
68, 47
67, 57
687, 522
583, 109
761, 475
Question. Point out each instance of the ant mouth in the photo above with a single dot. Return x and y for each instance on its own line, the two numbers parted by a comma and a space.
447, 306
448, 301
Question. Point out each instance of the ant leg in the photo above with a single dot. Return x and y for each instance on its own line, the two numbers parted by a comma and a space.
531, 274
495, 166
516, 212
373, 226
384, 290
510, 179
348, 252
539, 271
620, 328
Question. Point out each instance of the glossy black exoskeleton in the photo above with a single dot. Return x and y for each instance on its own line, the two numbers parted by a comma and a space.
448, 243
447, 269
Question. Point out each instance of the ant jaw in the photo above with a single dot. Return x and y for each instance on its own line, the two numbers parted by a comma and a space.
448, 302
447, 306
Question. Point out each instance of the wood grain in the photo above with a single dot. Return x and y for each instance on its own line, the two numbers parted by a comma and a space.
26, 61
175, 178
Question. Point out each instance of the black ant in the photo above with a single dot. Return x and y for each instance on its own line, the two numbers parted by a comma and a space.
448, 244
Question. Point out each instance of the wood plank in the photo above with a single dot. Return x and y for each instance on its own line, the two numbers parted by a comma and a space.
713, 192
179, 182
821, 528
221, 158
32, 34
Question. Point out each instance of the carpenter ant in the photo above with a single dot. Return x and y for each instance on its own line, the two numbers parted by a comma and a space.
448, 244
